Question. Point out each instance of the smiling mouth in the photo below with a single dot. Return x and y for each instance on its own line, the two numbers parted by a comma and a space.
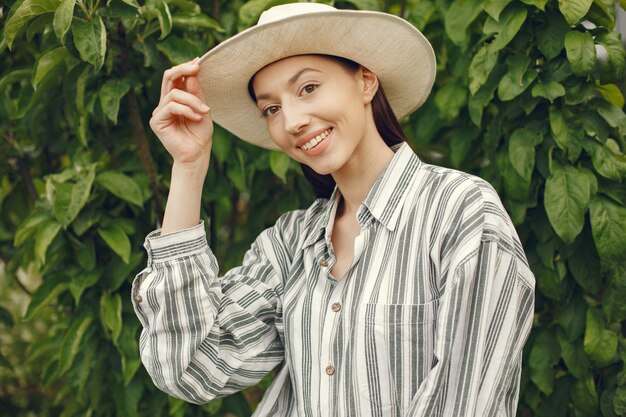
316, 140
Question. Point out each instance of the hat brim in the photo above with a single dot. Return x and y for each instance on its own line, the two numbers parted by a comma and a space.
387, 45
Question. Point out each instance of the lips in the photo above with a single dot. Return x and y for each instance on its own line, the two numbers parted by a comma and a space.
316, 140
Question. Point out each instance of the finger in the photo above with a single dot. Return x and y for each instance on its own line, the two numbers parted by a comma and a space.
164, 115
185, 98
192, 84
173, 75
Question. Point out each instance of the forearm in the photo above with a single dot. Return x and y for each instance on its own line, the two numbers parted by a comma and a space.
182, 210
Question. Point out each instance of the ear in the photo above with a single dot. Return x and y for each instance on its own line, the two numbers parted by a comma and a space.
370, 84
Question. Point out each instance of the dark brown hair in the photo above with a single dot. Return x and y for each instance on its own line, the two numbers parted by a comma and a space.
385, 120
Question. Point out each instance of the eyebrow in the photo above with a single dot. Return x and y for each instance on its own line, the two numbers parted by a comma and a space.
290, 82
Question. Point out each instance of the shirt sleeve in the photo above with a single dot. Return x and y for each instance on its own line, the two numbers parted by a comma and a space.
205, 336
484, 319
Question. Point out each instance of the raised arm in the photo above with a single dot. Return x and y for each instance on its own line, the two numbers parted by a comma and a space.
202, 336
183, 124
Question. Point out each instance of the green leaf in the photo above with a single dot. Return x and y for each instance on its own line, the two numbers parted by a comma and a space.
564, 130
581, 52
179, 50
495, 7
46, 232
600, 344
507, 27
540, 4
459, 17
607, 159
250, 12
117, 240
91, 41
71, 342
63, 18
450, 99
522, 151
612, 94
602, 13
484, 95
481, 66
82, 281
574, 10
195, 20
79, 196
566, 196
111, 314
47, 62
572, 318
551, 35
585, 267
510, 87
614, 116
127, 398
584, 396
608, 226
28, 227
21, 13
86, 254
51, 287
612, 70
544, 355
165, 18
122, 186
279, 164
550, 90
574, 356
111, 93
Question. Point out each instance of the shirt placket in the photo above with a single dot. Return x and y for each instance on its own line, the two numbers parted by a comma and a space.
330, 362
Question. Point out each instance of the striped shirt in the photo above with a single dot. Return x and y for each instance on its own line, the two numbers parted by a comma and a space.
429, 320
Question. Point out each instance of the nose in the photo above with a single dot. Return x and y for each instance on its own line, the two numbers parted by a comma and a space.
294, 118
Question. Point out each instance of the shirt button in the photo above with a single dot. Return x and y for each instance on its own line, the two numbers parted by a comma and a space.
323, 262
138, 298
336, 307
330, 370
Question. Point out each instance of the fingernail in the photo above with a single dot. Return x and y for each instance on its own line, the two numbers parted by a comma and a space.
204, 107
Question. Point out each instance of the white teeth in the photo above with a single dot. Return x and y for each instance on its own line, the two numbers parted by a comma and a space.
313, 142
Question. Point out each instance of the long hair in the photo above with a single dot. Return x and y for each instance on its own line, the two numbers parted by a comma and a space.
385, 120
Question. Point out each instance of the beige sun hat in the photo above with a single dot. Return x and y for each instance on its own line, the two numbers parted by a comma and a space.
387, 45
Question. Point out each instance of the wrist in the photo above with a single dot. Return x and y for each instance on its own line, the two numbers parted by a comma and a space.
197, 168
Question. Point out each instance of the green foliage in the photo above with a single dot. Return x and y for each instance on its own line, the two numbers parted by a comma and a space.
524, 98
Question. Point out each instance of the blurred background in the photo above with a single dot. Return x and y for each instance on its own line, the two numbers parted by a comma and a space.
529, 95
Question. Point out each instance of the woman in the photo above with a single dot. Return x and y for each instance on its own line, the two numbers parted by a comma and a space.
403, 292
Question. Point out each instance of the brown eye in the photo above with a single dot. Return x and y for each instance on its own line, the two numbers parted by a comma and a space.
309, 88
270, 111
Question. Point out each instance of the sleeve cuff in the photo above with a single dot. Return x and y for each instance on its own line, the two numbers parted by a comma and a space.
183, 242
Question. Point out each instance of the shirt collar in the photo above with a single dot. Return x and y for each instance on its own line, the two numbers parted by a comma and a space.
384, 200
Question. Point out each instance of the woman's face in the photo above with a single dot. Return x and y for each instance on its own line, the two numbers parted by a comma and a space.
316, 111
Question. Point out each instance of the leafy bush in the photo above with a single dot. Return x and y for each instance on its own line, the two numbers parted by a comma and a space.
528, 96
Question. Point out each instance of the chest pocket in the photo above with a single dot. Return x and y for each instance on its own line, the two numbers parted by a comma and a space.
394, 353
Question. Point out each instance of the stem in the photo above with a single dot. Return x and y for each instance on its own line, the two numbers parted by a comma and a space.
215, 10
141, 140
402, 8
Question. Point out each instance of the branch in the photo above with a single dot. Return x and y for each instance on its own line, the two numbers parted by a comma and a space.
141, 140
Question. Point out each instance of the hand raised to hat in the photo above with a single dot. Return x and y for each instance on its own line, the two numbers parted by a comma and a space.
182, 120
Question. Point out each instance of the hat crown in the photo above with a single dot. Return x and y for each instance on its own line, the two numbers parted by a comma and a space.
285, 11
